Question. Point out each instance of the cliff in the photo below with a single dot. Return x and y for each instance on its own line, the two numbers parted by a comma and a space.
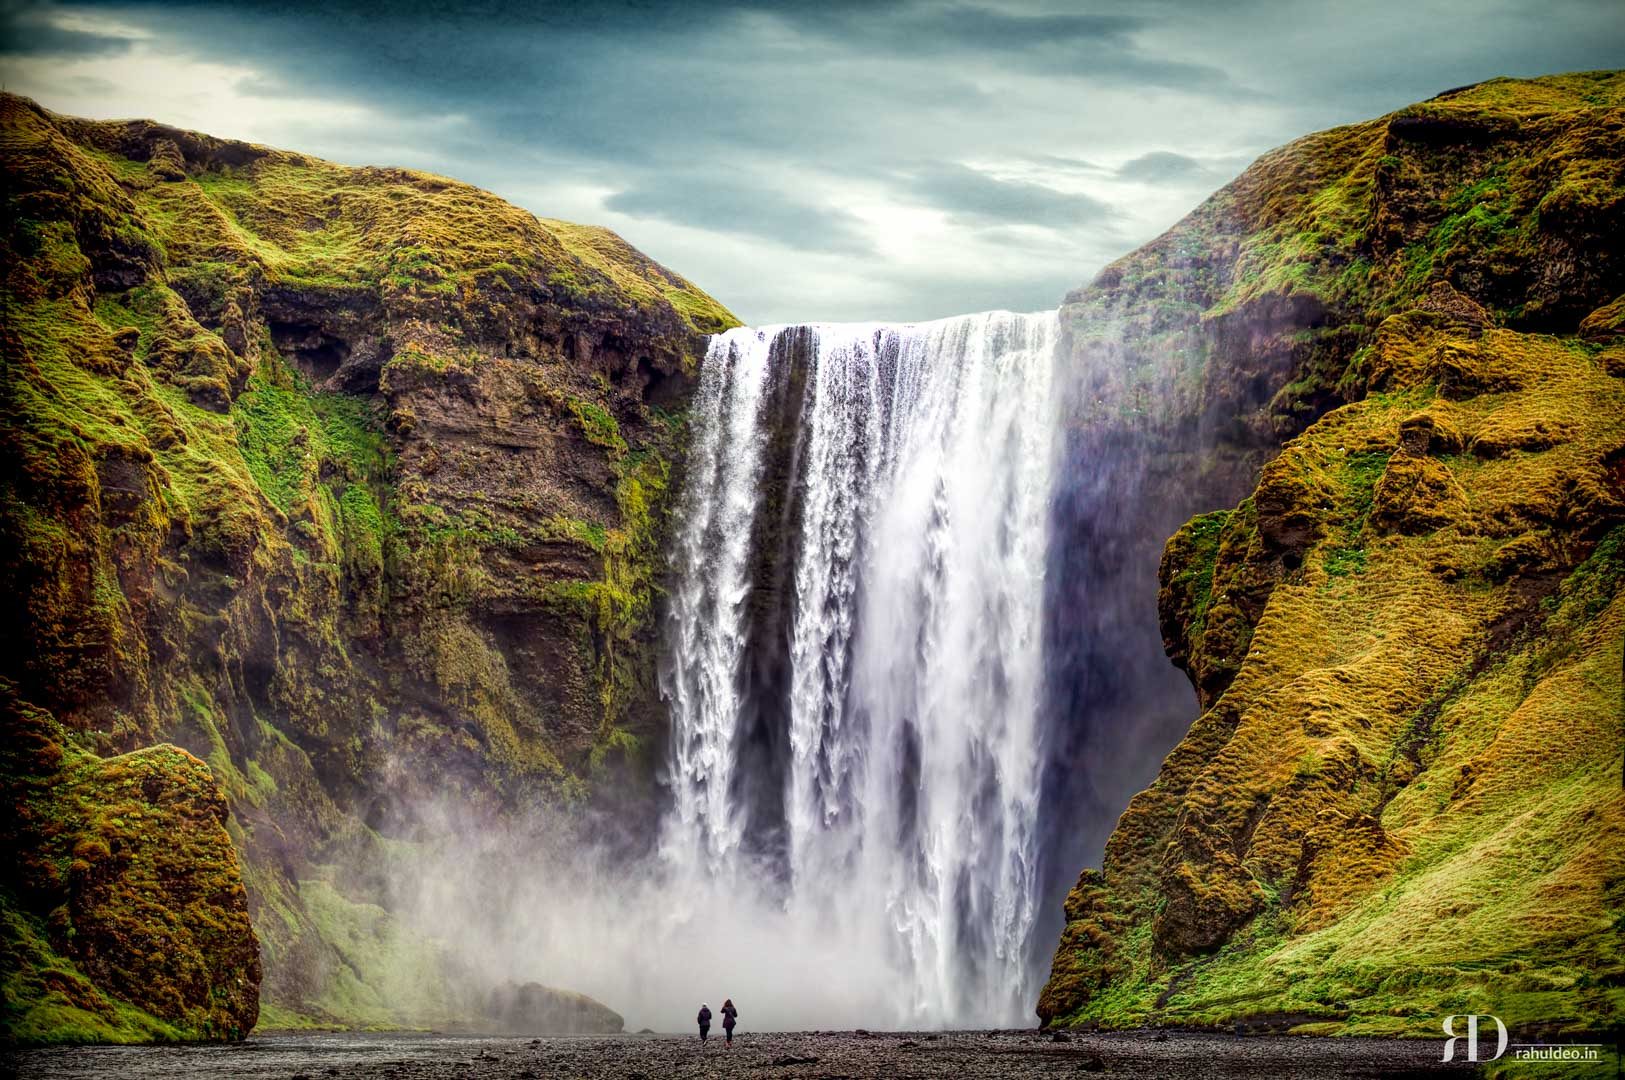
347, 482
125, 917
1402, 797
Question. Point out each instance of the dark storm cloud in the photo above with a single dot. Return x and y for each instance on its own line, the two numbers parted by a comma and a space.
639, 83
810, 129
27, 30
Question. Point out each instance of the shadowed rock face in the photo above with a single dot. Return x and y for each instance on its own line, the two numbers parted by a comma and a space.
1400, 338
534, 1009
351, 482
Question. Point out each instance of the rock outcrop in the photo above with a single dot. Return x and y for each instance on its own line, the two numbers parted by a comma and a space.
124, 910
1402, 796
348, 481
534, 1009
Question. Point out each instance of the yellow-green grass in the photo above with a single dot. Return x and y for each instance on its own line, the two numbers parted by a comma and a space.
1417, 764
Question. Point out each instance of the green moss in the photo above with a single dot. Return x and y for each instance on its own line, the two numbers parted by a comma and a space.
617, 745
124, 917
1341, 562
390, 976
590, 533
419, 237
597, 424
1199, 548
214, 551
602, 251
1359, 476
289, 436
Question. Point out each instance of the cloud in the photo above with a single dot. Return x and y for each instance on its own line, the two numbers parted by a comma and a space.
1089, 46
725, 204
38, 30
971, 195
1163, 166
757, 147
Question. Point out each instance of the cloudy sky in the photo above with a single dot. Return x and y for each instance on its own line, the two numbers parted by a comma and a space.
834, 160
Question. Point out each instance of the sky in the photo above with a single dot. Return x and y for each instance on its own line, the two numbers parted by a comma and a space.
841, 160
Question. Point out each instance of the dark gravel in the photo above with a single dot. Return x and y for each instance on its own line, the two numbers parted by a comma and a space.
822, 1055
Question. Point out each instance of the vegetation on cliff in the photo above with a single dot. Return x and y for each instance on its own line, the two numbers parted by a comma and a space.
349, 481
1402, 798
125, 916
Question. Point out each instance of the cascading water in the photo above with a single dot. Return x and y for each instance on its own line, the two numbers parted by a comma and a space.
855, 646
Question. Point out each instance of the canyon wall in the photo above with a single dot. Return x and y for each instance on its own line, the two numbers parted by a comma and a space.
350, 483
1387, 362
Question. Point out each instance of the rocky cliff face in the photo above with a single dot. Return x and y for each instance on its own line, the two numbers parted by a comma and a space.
1402, 796
348, 482
145, 931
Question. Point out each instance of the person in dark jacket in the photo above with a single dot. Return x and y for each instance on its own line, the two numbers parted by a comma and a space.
730, 1016
705, 1020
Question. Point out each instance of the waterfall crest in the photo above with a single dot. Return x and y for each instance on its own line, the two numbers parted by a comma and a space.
854, 645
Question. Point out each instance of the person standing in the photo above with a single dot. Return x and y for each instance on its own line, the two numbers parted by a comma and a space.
705, 1020
730, 1016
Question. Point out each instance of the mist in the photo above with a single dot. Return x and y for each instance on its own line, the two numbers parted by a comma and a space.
913, 672
526, 901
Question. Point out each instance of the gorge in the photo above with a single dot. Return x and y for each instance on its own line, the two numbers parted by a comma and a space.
499, 619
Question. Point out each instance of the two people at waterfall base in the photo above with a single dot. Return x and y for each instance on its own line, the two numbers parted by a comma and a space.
730, 1017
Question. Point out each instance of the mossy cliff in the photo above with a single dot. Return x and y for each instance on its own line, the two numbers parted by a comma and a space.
125, 914
1402, 798
350, 482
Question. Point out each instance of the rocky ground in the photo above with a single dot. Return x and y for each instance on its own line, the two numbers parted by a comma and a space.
894, 1055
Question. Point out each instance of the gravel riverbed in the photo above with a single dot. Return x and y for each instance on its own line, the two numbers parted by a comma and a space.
786, 1055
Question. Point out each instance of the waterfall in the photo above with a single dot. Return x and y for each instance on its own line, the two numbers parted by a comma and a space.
854, 654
